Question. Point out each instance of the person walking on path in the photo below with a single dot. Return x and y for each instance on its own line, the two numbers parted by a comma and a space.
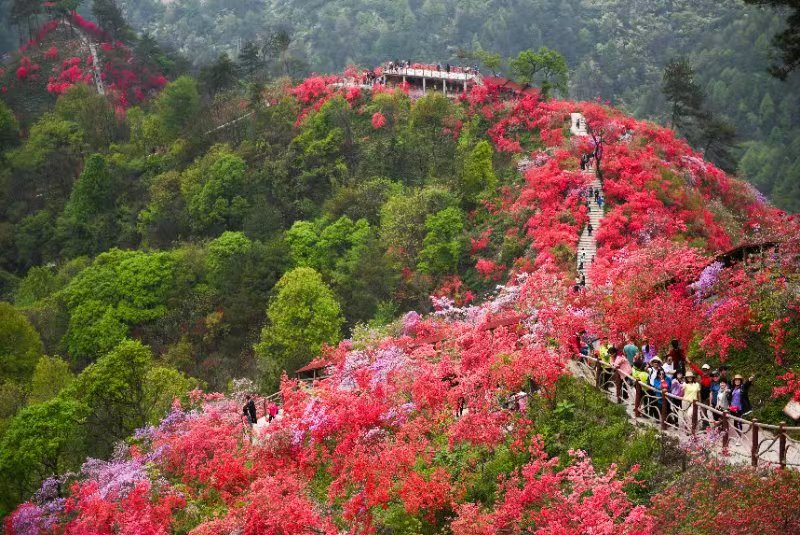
249, 410
740, 397
691, 393
590, 228
630, 350
621, 364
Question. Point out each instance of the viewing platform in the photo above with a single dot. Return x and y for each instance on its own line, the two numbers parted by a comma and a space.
430, 77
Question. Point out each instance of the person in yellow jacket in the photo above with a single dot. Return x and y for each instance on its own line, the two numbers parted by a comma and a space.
691, 393
691, 390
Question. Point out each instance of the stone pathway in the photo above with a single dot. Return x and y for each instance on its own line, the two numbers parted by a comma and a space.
587, 245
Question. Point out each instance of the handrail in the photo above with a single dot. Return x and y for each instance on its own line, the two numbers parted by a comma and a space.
698, 418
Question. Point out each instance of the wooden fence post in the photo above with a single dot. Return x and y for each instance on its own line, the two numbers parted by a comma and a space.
597, 373
725, 431
637, 400
782, 445
663, 410
694, 416
754, 445
618, 385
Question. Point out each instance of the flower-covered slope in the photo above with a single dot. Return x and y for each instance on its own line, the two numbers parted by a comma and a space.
58, 57
404, 430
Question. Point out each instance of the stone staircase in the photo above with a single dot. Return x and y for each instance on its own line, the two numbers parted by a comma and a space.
578, 124
587, 245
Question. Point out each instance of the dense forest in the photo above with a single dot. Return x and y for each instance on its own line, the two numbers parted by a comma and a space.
204, 229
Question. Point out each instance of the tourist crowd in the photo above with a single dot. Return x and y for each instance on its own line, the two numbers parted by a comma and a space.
670, 373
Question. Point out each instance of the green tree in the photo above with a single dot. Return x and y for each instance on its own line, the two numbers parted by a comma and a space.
403, 219
124, 392
218, 76
214, 191
249, 61
47, 164
50, 377
431, 154
787, 41
545, 66
41, 441
350, 257
444, 242
89, 223
478, 176
35, 239
229, 248
302, 317
92, 112
37, 284
177, 107
119, 290
110, 18
20, 345
684, 95
9, 129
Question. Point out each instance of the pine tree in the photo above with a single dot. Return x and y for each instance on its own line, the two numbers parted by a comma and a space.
110, 18
219, 75
788, 41
249, 60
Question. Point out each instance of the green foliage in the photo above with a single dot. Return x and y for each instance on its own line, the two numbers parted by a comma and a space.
38, 283
120, 289
350, 258
9, 129
176, 107
50, 377
320, 155
218, 76
213, 190
89, 223
125, 391
35, 238
20, 345
444, 242
580, 417
92, 112
787, 41
478, 177
302, 317
545, 66
224, 251
48, 162
41, 440
403, 220
110, 18
362, 200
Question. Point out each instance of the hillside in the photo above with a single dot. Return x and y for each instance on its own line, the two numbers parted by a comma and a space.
68, 51
338, 205
616, 49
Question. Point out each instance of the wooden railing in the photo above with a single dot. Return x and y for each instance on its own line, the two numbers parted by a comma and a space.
720, 431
